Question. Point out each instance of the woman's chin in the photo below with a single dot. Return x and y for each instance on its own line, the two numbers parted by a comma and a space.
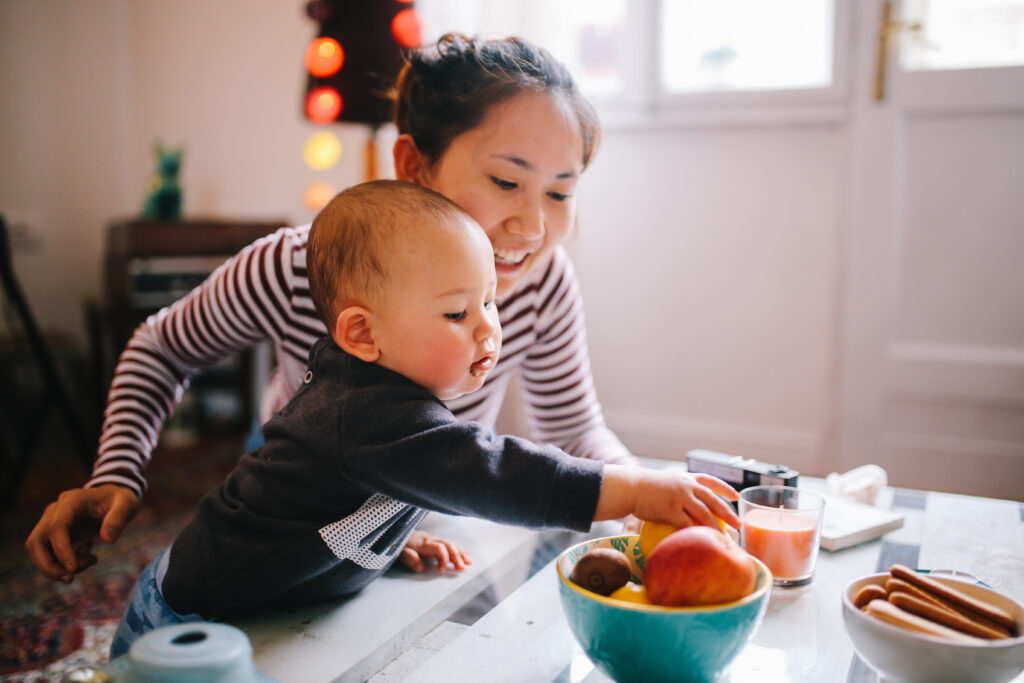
508, 278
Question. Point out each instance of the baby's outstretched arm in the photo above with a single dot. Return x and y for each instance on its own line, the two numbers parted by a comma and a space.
423, 546
676, 498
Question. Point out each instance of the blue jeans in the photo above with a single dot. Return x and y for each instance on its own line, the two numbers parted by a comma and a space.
254, 439
146, 608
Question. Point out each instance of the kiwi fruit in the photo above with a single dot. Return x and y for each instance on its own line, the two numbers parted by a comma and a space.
601, 570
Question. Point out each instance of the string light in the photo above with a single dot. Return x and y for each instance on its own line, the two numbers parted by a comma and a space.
324, 57
317, 195
323, 104
405, 28
322, 151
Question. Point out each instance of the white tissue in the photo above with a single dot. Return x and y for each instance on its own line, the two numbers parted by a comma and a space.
863, 483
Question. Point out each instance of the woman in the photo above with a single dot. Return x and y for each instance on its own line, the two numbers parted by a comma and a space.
497, 126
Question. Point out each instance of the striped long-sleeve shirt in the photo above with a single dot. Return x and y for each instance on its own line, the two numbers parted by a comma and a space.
263, 293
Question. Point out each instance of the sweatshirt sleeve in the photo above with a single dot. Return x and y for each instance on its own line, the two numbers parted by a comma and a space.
436, 462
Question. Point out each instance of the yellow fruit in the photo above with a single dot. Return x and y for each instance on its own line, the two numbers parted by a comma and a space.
632, 592
653, 533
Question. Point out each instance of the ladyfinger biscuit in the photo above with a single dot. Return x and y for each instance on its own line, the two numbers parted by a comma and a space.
894, 585
890, 613
867, 594
930, 585
941, 615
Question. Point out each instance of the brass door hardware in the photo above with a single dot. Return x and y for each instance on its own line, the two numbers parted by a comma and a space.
887, 27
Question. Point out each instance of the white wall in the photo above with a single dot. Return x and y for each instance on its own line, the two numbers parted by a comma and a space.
708, 258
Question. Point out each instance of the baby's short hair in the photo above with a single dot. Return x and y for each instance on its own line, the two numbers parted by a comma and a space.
349, 236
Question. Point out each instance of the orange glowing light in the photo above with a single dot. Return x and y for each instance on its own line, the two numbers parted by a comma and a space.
323, 105
324, 57
316, 195
405, 27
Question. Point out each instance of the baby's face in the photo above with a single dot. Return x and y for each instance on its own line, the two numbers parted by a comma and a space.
436, 322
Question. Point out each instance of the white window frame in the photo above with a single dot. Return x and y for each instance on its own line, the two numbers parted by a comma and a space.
643, 104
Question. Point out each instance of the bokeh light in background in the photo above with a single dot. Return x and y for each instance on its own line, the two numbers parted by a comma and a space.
350, 65
324, 57
405, 27
322, 151
323, 105
317, 194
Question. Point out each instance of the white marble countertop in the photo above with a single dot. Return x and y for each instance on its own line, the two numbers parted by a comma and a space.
407, 627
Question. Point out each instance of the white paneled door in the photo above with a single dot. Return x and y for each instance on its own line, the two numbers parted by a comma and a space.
932, 364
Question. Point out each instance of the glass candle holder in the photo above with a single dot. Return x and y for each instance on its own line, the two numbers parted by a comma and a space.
782, 528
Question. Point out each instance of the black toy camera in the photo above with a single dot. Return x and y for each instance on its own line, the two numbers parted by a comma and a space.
739, 472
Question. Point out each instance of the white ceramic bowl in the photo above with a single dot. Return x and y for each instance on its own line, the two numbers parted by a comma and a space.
903, 656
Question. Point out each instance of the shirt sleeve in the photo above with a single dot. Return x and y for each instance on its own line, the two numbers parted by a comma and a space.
242, 302
413, 449
558, 388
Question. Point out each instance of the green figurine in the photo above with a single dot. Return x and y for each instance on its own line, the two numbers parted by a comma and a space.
164, 200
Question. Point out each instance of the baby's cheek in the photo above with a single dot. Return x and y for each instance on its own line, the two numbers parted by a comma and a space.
445, 359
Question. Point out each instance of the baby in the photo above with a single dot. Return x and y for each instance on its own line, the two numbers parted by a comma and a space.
405, 282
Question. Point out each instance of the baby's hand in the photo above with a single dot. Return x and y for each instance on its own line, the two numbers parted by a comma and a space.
631, 524
422, 546
683, 499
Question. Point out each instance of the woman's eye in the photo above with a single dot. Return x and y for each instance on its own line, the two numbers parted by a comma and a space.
503, 184
455, 317
558, 196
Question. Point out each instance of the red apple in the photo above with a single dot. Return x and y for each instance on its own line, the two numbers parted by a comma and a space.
698, 565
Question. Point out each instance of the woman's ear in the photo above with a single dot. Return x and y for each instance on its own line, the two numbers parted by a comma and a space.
352, 332
409, 163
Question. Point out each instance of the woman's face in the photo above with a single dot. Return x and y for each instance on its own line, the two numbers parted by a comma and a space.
516, 174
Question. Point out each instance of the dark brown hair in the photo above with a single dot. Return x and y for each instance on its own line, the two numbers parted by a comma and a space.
348, 238
446, 89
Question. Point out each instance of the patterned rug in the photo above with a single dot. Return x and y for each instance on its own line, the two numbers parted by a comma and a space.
48, 628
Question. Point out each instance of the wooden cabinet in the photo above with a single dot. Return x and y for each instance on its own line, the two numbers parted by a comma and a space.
151, 264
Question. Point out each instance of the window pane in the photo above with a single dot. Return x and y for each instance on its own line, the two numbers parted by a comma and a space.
593, 44
716, 45
962, 34
588, 36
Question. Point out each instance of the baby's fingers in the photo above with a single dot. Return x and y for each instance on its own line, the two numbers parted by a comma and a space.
437, 550
717, 485
460, 558
411, 559
718, 507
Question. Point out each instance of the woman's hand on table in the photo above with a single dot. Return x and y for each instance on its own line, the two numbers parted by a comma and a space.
422, 547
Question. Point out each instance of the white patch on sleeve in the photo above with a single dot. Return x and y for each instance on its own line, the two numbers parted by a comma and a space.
353, 537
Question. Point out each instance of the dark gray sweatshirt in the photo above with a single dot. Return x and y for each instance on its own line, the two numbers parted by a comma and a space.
349, 468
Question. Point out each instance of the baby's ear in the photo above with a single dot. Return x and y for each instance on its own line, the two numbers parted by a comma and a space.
352, 332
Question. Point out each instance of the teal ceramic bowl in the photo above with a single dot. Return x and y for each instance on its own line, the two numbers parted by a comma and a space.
633, 642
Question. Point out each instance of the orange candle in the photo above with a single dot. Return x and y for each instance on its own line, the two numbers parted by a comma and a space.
782, 539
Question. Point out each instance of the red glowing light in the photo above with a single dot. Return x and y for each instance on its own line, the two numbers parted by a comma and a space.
323, 105
324, 57
405, 27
